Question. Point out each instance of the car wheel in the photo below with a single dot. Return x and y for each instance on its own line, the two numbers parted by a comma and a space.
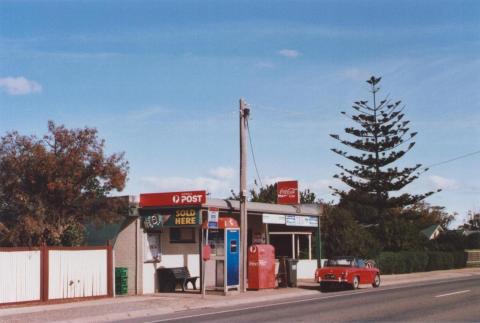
376, 281
324, 287
355, 282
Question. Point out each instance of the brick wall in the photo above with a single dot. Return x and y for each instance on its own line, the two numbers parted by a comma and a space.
129, 254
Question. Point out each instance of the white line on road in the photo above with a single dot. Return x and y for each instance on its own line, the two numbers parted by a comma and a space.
389, 288
454, 293
258, 306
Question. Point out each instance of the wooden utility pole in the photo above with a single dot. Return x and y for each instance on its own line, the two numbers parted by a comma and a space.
244, 113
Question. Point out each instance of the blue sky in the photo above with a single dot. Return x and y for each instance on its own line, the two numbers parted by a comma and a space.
161, 81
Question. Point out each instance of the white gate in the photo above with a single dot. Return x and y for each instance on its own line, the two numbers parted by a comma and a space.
19, 276
77, 273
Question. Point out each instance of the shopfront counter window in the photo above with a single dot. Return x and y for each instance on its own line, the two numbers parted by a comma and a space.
182, 235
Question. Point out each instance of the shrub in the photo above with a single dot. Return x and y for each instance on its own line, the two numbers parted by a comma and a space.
473, 241
386, 262
459, 259
418, 261
434, 261
440, 260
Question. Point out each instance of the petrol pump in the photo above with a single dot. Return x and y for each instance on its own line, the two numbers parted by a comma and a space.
223, 243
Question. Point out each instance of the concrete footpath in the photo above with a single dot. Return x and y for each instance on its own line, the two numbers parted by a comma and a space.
125, 307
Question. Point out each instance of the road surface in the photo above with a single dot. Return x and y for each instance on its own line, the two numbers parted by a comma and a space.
445, 301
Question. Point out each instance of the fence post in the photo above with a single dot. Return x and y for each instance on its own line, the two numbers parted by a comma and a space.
44, 273
109, 271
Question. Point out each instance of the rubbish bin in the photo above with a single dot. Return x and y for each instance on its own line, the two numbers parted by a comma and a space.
292, 272
166, 280
121, 280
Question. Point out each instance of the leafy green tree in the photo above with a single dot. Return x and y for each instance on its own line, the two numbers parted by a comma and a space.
265, 194
425, 215
378, 135
50, 186
473, 222
449, 241
308, 197
397, 233
268, 194
342, 235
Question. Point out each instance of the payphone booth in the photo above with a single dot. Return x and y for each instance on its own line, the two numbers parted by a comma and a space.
223, 267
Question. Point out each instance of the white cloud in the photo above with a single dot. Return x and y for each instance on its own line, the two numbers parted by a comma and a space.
19, 85
290, 53
443, 183
223, 172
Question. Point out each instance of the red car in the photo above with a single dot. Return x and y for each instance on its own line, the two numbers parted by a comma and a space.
349, 271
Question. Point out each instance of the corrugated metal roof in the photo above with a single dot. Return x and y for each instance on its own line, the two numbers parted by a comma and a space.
300, 209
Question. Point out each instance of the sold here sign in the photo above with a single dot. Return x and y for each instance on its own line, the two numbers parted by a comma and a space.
173, 198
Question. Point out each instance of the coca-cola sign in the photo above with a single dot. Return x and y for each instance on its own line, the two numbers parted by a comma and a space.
287, 192
173, 198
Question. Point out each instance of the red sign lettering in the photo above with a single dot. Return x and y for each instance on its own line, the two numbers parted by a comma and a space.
173, 198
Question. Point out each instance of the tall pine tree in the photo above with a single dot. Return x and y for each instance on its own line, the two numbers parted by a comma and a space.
381, 136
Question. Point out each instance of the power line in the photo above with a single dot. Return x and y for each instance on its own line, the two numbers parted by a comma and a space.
454, 159
253, 154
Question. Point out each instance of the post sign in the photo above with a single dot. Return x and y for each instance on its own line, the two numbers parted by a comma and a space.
301, 221
213, 215
173, 198
172, 218
287, 192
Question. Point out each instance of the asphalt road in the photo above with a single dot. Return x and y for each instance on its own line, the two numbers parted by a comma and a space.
446, 301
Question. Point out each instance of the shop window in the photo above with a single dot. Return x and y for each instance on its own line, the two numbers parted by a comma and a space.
182, 235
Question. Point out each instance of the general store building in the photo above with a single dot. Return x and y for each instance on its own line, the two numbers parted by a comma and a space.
165, 234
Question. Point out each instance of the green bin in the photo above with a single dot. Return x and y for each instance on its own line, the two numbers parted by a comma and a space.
121, 280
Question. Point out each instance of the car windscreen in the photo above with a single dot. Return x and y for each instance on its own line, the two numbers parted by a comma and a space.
339, 263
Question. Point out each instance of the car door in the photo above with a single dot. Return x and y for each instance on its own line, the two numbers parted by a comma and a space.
365, 276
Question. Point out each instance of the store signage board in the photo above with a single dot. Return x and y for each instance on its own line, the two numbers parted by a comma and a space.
287, 192
273, 218
172, 218
213, 215
301, 221
173, 198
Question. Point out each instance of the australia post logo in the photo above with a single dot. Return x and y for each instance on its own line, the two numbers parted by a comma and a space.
186, 198
173, 198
